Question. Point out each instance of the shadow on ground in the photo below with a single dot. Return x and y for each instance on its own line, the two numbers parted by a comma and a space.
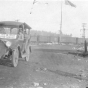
5, 63
79, 53
72, 52
54, 50
67, 74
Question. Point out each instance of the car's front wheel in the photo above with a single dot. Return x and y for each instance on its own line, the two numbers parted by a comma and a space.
15, 58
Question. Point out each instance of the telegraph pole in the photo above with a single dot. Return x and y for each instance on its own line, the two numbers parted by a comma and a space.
84, 25
85, 43
60, 25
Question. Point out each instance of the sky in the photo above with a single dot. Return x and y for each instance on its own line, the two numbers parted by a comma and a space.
46, 15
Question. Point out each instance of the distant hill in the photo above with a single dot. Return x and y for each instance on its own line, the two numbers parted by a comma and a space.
44, 33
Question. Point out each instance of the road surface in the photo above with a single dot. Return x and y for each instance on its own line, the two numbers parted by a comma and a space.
47, 68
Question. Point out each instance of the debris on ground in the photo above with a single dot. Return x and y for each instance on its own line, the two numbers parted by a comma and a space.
41, 69
83, 73
71, 86
80, 48
36, 84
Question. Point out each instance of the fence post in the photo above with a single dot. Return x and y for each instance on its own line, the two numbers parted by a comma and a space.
38, 39
85, 46
76, 40
58, 39
49, 39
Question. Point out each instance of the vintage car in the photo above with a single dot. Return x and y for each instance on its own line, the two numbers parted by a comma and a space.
14, 41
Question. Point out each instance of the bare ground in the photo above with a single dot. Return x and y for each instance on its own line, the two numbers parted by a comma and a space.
50, 66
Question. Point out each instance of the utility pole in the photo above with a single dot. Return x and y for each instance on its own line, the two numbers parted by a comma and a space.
85, 43
61, 24
60, 31
84, 25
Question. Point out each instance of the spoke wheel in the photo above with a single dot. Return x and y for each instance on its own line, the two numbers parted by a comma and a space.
15, 58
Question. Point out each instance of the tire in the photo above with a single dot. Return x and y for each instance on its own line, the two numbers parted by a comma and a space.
15, 58
27, 54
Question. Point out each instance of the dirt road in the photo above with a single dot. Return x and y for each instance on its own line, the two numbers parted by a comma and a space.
47, 68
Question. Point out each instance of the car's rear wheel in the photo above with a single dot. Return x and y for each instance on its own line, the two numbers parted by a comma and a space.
15, 58
27, 54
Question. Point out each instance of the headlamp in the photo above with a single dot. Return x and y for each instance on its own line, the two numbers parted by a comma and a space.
8, 43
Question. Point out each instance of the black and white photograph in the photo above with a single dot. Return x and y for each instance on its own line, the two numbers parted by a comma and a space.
43, 43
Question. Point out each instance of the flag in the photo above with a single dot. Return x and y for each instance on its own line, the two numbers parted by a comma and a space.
67, 2
35, 1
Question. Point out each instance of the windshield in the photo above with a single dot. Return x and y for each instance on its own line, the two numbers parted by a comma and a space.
7, 32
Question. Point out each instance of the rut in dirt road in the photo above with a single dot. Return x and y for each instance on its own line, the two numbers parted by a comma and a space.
67, 74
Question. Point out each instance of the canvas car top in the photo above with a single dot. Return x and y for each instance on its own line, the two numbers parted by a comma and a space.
14, 23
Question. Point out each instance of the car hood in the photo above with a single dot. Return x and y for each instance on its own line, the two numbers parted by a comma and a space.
9, 38
3, 48
13, 43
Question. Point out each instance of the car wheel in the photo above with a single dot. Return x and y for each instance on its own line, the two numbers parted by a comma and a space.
27, 54
15, 58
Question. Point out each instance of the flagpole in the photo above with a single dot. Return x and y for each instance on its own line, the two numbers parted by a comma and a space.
61, 23
68, 3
